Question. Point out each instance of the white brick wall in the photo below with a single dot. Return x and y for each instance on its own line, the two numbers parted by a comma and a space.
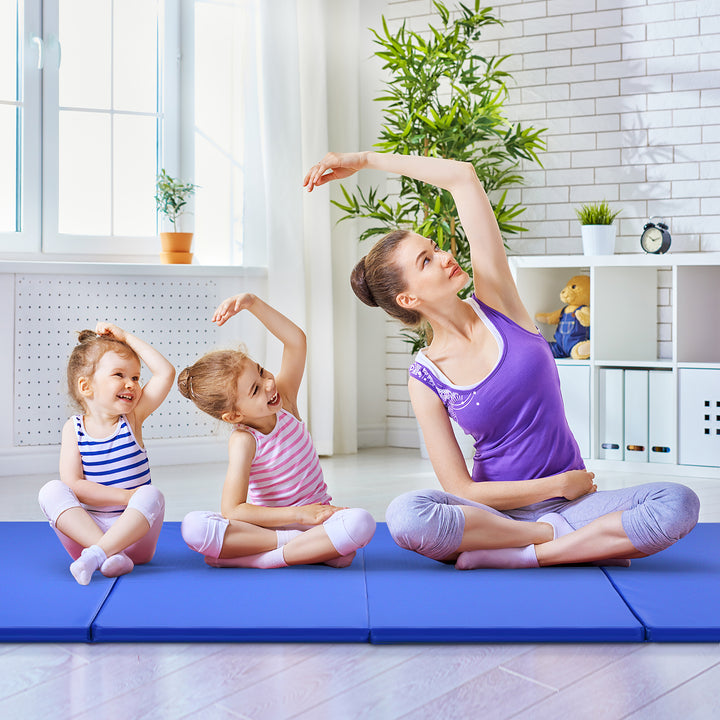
629, 91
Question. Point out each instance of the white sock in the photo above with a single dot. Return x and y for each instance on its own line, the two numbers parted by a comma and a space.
116, 565
265, 560
285, 536
520, 557
91, 558
560, 525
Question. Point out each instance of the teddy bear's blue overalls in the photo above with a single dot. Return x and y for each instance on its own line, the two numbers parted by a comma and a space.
568, 334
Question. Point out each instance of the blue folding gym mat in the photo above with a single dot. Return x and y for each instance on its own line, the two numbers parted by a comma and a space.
40, 601
676, 593
414, 599
177, 597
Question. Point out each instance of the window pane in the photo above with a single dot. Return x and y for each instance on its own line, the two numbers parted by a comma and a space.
84, 173
8, 165
135, 152
220, 70
9, 50
86, 38
135, 60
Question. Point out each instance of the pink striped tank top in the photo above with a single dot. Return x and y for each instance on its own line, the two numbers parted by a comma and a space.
286, 468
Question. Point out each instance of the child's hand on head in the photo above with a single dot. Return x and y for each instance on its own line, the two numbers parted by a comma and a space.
232, 306
106, 328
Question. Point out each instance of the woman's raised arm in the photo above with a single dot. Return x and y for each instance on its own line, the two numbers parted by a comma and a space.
493, 280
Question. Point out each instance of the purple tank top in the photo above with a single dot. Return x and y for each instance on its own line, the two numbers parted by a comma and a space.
516, 414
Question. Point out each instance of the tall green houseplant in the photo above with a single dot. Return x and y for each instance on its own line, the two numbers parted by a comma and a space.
444, 99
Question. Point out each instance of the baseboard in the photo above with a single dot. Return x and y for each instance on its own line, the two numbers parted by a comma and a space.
372, 436
43, 459
403, 432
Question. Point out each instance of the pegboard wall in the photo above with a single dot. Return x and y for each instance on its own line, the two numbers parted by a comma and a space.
173, 315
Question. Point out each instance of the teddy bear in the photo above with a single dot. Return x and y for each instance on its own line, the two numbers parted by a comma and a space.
572, 337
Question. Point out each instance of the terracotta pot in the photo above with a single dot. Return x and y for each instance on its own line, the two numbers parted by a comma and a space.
176, 242
176, 258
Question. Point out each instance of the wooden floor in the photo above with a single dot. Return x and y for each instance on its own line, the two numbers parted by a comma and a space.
341, 682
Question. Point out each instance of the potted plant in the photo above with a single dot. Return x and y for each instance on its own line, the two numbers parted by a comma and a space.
444, 99
597, 228
171, 197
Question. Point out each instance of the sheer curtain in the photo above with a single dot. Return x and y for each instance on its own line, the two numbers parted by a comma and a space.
307, 103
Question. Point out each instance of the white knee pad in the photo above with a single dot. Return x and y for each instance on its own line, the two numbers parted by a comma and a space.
55, 497
204, 532
350, 529
149, 501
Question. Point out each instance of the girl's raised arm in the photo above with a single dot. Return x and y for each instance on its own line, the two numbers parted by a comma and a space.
163, 373
493, 280
293, 339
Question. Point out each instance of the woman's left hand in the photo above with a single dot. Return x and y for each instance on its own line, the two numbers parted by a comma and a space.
334, 166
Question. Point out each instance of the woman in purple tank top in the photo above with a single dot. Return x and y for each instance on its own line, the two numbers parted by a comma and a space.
529, 500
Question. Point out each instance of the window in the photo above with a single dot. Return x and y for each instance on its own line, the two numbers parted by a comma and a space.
226, 132
19, 127
109, 116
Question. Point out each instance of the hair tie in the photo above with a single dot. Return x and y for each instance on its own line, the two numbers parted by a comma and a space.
188, 384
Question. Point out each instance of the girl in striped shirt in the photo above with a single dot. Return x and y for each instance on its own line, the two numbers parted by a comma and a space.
104, 510
275, 507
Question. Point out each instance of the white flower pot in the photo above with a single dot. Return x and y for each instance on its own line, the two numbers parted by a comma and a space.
598, 239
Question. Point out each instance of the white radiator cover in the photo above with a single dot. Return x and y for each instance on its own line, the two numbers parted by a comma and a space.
168, 306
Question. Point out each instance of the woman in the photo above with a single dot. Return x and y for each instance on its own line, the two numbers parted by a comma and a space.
489, 368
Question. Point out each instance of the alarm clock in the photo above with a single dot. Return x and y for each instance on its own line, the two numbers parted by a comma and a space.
655, 238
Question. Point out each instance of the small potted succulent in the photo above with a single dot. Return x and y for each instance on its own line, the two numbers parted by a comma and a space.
597, 227
172, 197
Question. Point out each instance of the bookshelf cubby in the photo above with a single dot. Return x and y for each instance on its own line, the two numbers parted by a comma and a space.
654, 365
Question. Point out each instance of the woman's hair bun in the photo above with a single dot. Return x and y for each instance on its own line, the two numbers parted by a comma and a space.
358, 281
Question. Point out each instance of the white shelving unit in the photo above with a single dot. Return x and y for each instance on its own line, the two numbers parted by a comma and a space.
669, 407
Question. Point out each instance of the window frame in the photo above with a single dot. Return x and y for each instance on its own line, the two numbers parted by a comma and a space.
40, 237
26, 242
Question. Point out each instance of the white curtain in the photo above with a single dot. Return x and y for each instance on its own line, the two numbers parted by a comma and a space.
308, 98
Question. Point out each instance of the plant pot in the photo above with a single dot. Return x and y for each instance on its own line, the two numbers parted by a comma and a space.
176, 258
176, 242
598, 239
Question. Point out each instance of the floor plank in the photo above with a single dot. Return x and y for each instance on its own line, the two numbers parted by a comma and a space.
629, 683
413, 683
697, 699
317, 679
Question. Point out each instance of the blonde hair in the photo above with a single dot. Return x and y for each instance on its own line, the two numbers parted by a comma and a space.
211, 382
85, 357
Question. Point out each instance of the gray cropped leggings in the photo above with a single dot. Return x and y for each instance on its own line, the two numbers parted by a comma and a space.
655, 516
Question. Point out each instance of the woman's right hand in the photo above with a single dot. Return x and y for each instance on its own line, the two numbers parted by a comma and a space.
334, 166
574, 484
232, 306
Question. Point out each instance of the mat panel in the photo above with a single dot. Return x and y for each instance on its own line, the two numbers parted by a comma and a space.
40, 601
177, 597
676, 593
413, 599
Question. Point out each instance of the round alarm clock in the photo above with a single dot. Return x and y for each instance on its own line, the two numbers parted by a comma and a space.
655, 238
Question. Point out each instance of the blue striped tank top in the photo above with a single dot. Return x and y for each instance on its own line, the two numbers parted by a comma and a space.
117, 460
